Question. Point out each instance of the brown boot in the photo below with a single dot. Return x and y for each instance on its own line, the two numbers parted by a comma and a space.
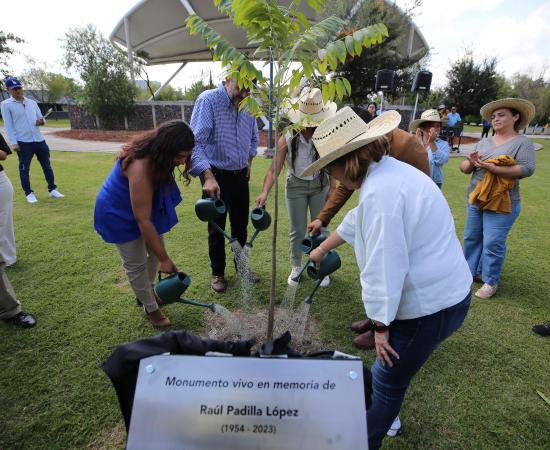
218, 284
364, 341
158, 319
360, 326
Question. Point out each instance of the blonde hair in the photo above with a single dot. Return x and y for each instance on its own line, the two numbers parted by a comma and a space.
357, 162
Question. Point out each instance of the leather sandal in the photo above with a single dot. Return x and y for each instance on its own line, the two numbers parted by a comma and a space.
360, 326
364, 341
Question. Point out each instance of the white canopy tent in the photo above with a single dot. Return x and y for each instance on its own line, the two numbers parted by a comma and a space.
156, 30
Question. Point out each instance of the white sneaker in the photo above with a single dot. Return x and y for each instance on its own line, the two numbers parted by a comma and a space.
395, 428
486, 291
31, 198
293, 274
56, 194
325, 282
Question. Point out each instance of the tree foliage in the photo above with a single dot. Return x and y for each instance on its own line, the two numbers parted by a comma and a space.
49, 86
361, 70
536, 90
6, 50
471, 85
108, 91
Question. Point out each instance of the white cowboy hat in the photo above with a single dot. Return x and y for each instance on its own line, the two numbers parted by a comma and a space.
430, 115
525, 108
311, 109
345, 132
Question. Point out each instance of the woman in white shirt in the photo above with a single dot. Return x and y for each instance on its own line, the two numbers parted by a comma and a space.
405, 242
303, 193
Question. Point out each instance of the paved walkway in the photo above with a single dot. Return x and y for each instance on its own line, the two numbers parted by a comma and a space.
75, 145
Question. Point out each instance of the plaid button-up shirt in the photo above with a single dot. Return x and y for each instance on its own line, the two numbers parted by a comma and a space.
224, 138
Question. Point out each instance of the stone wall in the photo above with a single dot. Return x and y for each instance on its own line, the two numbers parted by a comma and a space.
145, 115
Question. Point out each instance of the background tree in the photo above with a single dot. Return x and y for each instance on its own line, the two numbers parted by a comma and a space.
6, 50
361, 70
284, 35
49, 86
536, 90
471, 85
107, 91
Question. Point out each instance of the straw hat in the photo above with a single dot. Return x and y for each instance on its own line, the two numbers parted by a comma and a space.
311, 109
430, 115
525, 107
345, 132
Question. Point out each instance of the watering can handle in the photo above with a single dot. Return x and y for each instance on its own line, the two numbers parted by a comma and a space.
159, 275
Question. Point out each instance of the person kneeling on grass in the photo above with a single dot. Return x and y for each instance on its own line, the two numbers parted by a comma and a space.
137, 205
404, 239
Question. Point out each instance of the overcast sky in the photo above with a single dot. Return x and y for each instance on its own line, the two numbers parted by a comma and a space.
516, 32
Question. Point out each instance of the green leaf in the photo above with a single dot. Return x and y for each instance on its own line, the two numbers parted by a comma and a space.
347, 85
314, 4
303, 19
341, 51
350, 45
308, 68
340, 90
331, 90
326, 92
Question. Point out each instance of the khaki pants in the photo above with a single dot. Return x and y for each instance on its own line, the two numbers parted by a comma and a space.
7, 238
9, 305
140, 265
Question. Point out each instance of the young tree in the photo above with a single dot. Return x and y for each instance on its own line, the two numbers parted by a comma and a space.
536, 90
361, 70
471, 85
193, 91
283, 35
108, 91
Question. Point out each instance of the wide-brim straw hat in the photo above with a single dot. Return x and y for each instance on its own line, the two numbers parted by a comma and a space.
311, 109
430, 115
345, 132
525, 108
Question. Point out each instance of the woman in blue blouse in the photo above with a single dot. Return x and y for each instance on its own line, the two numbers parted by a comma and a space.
137, 205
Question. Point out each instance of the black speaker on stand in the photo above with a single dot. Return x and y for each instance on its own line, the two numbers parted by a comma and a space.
422, 82
385, 82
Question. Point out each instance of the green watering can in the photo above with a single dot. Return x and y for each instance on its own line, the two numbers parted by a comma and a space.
309, 244
330, 263
261, 220
171, 288
208, 210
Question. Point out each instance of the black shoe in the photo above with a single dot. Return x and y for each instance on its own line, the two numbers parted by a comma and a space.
23, 320
543, 330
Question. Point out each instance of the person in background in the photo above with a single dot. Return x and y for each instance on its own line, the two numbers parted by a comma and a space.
442, 110
22, 117
402, 146
372, 112
302, 193
496, 165
427, 129
137, 205
486, 127
226, 143
7, 236
10, 307
403, 235
454, 121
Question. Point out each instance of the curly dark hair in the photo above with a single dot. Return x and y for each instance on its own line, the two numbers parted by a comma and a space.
161, 145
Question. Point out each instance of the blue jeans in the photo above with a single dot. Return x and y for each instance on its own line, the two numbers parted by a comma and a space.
485, 235
414, 340
26, 152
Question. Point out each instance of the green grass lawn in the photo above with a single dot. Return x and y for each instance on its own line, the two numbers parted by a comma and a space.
52, 123
476, 392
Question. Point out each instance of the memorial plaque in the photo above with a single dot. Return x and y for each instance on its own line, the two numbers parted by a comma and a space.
209, 403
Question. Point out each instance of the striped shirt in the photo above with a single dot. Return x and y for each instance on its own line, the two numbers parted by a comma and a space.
20, 120
224, 138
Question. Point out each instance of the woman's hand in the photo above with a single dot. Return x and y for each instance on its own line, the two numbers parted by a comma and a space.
261, 199
432, 135
473, 157
317, 255
167, 266
383, 348
483, 165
